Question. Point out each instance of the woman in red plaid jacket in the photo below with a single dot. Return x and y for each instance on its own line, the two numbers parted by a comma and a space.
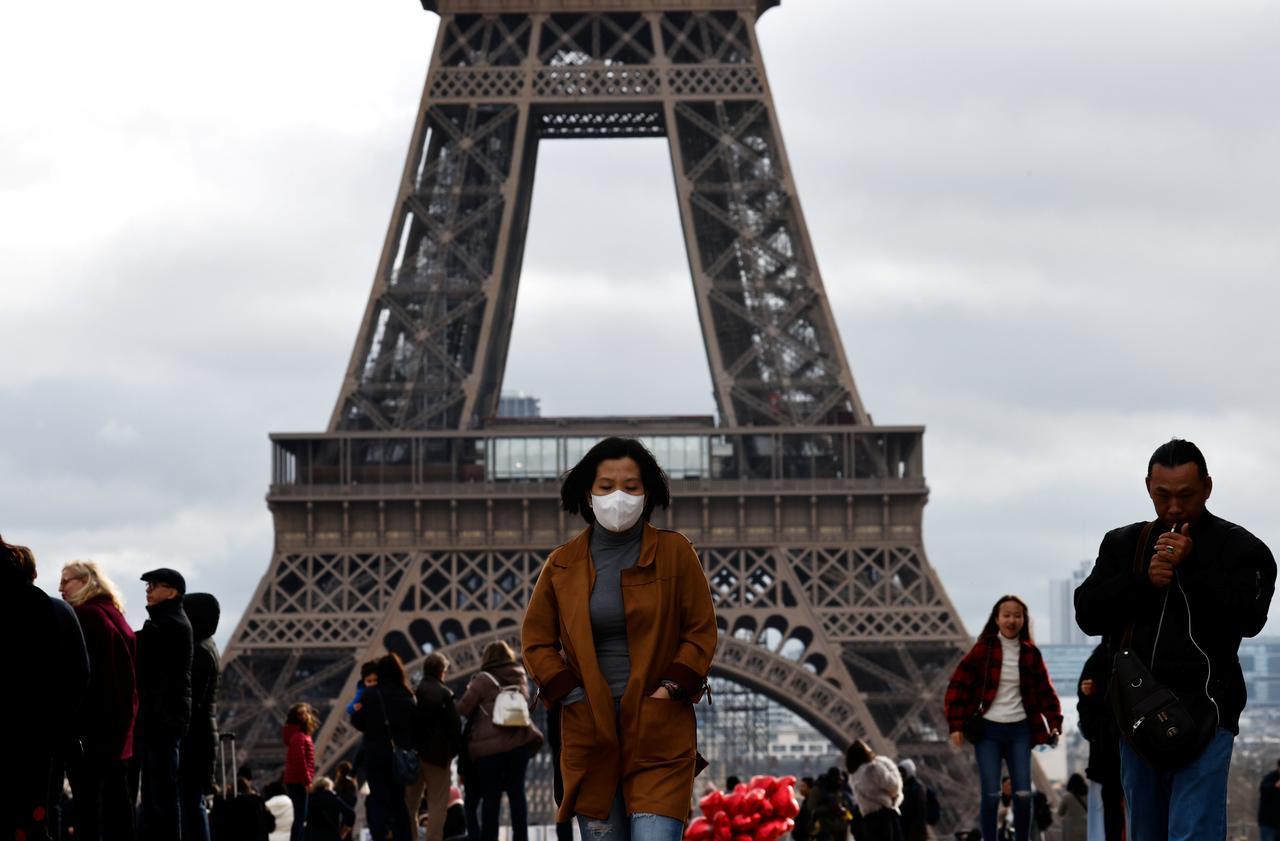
1001, 700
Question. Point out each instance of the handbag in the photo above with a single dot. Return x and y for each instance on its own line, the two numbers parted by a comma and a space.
405, 764
1167, 731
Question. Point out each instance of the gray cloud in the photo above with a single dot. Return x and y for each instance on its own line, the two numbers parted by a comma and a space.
1047, 233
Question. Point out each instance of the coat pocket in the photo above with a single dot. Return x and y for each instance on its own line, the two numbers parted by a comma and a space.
577, 735
668, 731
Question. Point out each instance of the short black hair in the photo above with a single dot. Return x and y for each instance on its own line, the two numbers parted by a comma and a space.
1176, 452
577, 483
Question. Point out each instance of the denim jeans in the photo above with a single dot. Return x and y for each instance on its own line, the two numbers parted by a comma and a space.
1010, 744
387, 810
195, 817
638, 826
1190, 803
1266, 833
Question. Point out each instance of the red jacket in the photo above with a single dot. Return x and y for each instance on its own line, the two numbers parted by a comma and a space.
299, 757
111, 703
976, 680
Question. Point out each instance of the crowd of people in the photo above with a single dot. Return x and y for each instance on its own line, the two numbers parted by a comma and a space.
117, 729
120, 727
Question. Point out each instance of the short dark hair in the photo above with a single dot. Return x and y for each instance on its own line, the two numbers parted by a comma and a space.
435, 664
367, 668
1176, 452
577, 483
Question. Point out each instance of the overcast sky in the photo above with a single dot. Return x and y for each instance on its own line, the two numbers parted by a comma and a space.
1050, 233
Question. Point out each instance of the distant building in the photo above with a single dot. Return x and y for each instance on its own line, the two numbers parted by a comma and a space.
1259, 661
1063, 629
519, 405
1065, 662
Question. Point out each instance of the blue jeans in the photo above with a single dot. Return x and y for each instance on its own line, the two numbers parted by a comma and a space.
1011, 744
638, 826
195, 818
1190, 803
1266, 833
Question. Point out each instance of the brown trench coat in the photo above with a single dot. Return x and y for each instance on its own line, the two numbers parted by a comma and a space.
671, 635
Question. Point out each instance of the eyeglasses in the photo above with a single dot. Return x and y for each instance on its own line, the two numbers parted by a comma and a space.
65, 581
155, 585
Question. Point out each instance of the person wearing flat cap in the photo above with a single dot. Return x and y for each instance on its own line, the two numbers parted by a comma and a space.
164, 700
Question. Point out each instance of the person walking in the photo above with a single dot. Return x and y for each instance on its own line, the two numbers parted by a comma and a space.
299, 762
164, 701
920, 808
1000, 699
1179, 593
1098, 726
829, 810
344, 786
876, 786
385, 714
99, 777
438, 738
499, 754
1269, 806
1073, 809
198, 751
620, 631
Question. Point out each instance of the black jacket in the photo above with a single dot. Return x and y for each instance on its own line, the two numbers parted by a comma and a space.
438, 730
326, 815
1228, 579
164, 669
1269, 801
29, 658
380, 706
1097, 724
199, 751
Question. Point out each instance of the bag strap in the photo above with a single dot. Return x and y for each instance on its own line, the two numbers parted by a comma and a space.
382, 702
1138, 559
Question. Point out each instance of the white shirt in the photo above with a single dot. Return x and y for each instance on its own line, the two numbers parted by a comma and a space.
1007, 706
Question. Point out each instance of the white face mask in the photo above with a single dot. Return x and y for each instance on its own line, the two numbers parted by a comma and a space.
618, 511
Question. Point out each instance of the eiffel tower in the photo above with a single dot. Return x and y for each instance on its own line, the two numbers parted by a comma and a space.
420, 520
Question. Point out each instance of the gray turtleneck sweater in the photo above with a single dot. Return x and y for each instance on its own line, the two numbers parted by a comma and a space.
611, 553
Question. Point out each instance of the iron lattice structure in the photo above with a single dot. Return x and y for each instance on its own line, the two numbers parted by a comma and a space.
419, 521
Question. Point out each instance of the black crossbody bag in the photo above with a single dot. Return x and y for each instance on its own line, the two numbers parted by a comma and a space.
1165, 730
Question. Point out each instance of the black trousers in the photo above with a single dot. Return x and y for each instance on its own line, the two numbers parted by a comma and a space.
101, 805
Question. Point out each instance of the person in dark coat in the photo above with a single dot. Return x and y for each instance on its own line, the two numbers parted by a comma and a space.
920, 808
1098, 726
1196, 584
72, 681
385, 715
327, 813
28, 615
1269, 806
198, 752
438, 738
344, 785
165, 653
99, 779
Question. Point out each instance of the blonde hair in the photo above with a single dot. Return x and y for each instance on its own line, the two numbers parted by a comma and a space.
96, 583
322, 783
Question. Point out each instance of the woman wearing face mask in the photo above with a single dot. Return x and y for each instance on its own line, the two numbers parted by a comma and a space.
620, 632
1001, 700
